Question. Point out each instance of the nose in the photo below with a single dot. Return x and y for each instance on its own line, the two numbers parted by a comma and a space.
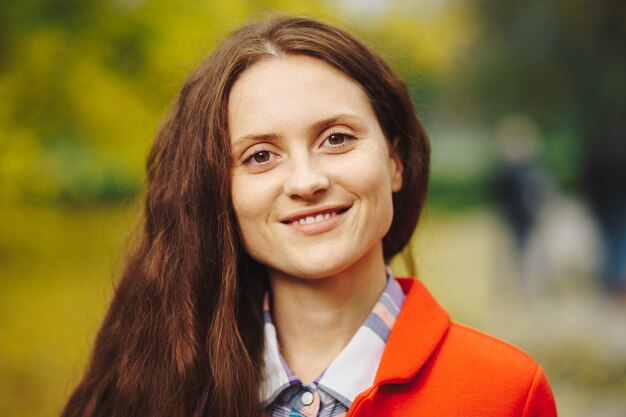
306, 178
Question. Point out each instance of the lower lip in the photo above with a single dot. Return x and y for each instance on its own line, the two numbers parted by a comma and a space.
318, 227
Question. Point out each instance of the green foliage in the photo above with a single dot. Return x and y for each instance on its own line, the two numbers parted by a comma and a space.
559, 61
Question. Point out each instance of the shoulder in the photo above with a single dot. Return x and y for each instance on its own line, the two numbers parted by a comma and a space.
469, 359
425, 328
473, 347
436, 366
497, 371
424, 321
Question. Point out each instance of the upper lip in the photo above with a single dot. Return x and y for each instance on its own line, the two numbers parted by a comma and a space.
314, 211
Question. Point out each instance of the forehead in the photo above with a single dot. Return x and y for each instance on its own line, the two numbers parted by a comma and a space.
284, 93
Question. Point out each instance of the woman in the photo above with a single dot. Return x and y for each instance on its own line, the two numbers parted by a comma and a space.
291, 168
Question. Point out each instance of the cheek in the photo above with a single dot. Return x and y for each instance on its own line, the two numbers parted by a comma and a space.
368, 175
246, 202
368, 179
246, 211
253, 199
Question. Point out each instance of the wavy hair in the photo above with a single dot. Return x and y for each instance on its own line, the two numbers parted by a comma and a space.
183, 335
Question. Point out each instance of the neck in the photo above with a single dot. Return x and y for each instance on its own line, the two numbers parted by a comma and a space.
316, 318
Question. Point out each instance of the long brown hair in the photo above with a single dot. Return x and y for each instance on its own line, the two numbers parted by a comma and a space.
184, 333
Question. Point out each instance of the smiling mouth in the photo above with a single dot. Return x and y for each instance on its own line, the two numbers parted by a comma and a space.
316, 217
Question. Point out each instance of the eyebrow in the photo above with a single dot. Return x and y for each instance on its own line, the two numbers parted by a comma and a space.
315, 127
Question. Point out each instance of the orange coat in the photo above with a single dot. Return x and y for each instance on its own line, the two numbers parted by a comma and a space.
434, 367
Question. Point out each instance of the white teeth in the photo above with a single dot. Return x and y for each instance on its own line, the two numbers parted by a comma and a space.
311, 219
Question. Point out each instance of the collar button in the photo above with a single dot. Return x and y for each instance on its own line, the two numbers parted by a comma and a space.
307, 398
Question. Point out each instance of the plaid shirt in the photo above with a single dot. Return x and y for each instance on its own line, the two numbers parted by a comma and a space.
350, 373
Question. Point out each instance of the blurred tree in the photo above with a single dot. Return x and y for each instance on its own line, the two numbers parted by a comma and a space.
560, 61
423, 40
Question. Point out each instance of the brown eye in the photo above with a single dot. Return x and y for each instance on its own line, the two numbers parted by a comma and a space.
336, 139
261, 157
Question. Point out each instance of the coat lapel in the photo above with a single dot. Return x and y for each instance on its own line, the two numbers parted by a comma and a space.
418, 330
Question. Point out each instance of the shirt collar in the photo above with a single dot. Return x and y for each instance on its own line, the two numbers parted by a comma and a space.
354, 369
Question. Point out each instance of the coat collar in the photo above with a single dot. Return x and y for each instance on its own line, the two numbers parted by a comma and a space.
418, 329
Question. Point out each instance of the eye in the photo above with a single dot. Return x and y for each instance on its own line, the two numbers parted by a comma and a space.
260, 157
338, 139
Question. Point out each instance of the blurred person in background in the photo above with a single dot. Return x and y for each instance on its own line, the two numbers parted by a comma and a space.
606, 191
520, 187
289, 172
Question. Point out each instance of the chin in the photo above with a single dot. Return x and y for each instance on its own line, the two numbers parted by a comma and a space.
314, 268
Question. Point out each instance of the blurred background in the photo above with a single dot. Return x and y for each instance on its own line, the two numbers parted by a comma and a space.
524, 235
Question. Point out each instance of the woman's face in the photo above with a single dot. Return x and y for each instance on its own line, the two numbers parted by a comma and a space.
313, 174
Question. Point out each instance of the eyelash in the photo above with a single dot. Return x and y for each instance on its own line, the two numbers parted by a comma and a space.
256, 151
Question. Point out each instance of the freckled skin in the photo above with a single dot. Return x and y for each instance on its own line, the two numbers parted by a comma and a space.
299, 167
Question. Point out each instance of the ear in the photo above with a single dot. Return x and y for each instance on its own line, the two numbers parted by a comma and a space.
396, 167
